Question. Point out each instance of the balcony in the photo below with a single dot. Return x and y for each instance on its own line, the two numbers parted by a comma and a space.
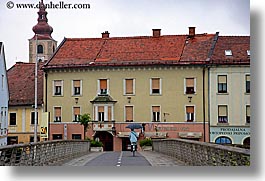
103, 125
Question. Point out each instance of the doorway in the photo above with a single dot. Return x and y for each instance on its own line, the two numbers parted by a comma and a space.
106, 138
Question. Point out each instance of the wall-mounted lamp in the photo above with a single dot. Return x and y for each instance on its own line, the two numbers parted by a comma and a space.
189, 98
165, 114
76, 100
129, 99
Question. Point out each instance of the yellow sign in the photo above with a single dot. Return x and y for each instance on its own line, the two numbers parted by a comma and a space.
44, 133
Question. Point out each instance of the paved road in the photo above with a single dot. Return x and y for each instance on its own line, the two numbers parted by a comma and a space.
124, 158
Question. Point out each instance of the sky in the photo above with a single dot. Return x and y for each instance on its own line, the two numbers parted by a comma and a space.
121, 18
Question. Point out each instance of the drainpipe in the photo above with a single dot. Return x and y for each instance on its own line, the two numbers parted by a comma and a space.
203, 104
46, 102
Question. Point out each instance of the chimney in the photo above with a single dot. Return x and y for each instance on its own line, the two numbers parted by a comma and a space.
191, 31
156, 32
105, 34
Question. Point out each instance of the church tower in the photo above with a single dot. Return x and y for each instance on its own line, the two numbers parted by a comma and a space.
42, 42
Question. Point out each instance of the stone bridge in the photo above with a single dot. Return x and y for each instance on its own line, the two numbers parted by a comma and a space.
167, 152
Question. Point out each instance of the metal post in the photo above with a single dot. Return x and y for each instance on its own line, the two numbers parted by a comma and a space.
36, 92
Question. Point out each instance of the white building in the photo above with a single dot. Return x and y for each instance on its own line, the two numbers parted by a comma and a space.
4, 97
229, 91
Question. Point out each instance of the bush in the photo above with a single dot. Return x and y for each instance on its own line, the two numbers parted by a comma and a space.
96, 143
146, 142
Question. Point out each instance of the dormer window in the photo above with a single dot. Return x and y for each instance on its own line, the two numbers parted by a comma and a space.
248, 52
228, 52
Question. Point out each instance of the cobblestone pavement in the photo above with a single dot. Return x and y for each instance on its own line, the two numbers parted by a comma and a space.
142, 158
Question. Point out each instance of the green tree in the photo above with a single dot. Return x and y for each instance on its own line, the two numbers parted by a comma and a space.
84, 120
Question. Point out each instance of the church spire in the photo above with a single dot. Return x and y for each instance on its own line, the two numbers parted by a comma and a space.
42, 27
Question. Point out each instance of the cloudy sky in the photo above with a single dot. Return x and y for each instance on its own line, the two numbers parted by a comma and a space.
121, 18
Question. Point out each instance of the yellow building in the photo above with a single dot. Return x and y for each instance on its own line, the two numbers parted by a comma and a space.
157, 81
21, 102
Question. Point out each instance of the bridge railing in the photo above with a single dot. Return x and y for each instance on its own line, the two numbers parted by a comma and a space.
42, 153
195, 153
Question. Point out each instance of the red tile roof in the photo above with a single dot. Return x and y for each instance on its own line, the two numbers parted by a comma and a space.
144, 50
22, 84
140, 50
239, 46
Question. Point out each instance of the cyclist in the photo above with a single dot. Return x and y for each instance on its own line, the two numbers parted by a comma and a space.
133, 139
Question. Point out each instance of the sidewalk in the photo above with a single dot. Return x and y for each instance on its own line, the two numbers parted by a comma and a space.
158, 159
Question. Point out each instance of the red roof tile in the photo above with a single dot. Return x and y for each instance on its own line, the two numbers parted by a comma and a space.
239, 46
22, 84
118, 51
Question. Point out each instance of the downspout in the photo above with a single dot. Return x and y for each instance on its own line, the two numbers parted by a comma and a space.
209, 83
46, 102
203, 102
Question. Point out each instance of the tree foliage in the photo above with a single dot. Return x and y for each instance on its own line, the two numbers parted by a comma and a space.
84, 120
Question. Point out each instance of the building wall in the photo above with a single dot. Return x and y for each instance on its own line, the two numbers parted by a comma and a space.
236, 100
23, 129
172, 100
4, 97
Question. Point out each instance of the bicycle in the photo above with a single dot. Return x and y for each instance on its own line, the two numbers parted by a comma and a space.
134, 148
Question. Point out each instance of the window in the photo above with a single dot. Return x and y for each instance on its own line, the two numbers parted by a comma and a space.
58, 88
248, 52
222, 84
129, 113
129, 86
76, 111
57, 136
40, 49
228, 52
248, 114
77, 87
13, 119
190, 85
33, 118
156, 113
189, 113
76, 136
100, 113
222, 114
155, 86
247, 83
57, 114
223, 140
31, 138
103, 86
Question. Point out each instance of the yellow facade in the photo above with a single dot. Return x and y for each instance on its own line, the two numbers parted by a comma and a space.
23, 129
172, 98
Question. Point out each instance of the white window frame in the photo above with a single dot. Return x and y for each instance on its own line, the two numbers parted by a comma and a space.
73, 89
53, 85
73, 113
54, 118
124, 112
124, 86
160, 86
185, 108
98, 89
95, 111
228, 53
195, 84
152, 113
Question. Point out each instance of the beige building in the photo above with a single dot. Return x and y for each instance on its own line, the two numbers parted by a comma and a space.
157, 81
229, 90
